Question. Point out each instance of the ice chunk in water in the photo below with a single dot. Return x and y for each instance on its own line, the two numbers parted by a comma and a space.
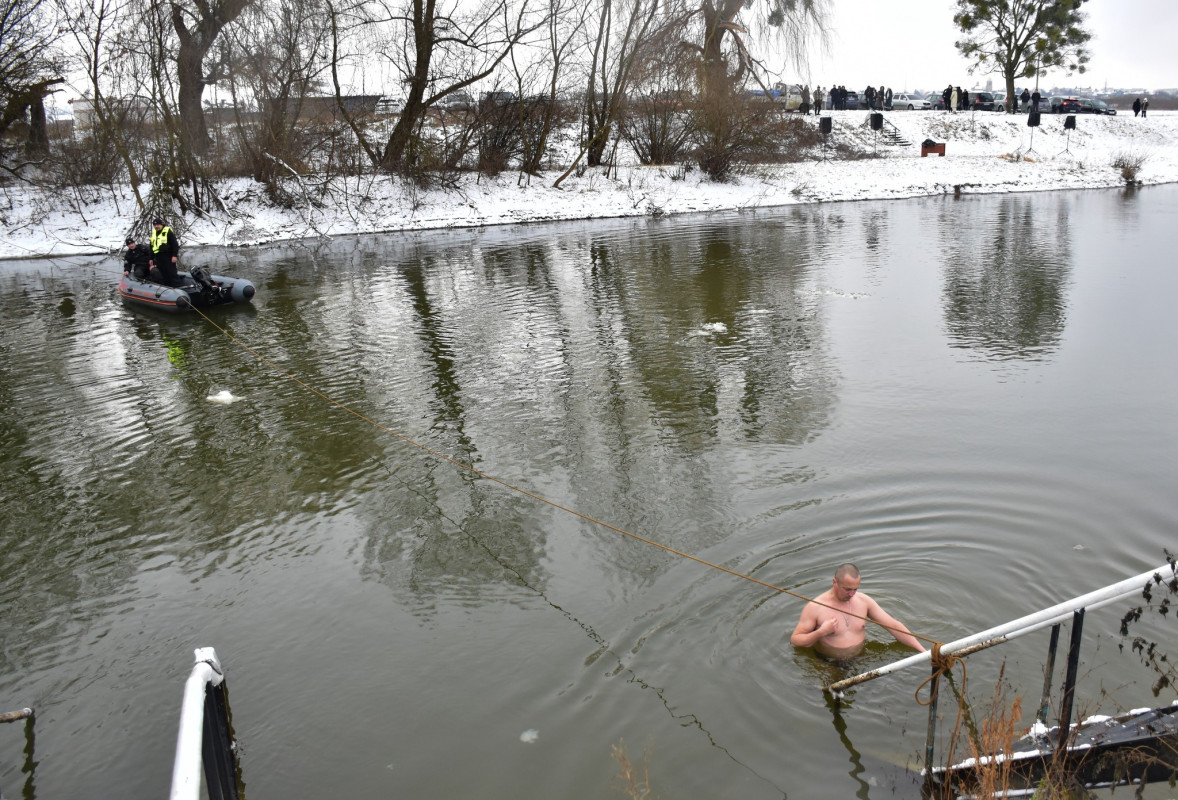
224, 397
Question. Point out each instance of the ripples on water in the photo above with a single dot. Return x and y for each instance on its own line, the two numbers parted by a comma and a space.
968, 397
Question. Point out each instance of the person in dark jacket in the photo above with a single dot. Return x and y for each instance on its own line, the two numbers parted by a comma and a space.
165, 252
1026, 98
136, 261
1136, 106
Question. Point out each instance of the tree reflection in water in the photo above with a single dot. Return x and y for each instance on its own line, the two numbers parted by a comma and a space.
1005, 282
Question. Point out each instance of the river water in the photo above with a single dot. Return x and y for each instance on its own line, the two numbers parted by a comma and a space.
972, 398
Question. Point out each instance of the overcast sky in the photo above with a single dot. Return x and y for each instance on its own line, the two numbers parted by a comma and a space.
910, 46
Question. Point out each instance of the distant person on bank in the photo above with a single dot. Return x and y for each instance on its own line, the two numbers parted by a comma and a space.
835, 622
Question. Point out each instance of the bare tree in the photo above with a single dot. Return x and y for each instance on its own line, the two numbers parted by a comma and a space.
197, 24
29, 68
107, 52
720, 38
274, 59
659, 119
345, 20
440, 49
614, 54
540, 111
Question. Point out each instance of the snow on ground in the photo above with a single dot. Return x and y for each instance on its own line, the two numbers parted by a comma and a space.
985, 152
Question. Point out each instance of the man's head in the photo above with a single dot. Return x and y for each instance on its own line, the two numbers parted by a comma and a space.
130, 241
157, 223
846, 582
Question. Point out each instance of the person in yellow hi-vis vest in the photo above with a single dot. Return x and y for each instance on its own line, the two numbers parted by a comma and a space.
165, 250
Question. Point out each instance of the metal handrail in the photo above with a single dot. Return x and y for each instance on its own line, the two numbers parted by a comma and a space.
205, 710
1018, 627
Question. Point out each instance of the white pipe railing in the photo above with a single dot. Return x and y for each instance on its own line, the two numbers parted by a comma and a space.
1019, 627
186, 770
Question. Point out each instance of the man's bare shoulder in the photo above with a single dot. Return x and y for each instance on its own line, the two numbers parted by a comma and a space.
870, 606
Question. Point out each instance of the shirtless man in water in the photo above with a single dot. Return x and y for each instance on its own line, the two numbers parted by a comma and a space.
839, 635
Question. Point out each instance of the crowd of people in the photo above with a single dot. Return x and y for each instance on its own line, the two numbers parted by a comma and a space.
952, 98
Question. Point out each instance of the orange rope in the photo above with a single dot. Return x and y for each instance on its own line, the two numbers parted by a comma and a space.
537, 497
943, 668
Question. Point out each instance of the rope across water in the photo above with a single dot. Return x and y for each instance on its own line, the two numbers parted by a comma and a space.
539, 498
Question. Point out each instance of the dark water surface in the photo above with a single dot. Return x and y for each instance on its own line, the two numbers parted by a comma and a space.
974, 399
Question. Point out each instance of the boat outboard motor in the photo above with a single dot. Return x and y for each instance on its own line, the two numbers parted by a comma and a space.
202, 277
207, 288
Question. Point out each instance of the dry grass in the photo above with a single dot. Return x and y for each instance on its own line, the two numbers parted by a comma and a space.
1129, 164
630, 781
996, 736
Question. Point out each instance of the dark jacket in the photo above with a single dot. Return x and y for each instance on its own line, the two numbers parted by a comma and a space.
135, 260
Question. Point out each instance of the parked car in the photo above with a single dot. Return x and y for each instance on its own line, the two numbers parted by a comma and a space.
936, 101
1000, 102
1104, 108
388, 106
1064, 105
496, 99
852, 100
456, 101
761, 94
981, 101
790, 94
909, 101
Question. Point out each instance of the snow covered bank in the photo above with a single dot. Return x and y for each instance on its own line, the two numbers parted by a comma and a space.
985, 152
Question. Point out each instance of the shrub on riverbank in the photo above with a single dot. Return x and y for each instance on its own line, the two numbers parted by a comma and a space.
1129, 164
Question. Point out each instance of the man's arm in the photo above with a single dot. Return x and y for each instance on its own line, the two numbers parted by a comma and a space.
876, 614
809, 630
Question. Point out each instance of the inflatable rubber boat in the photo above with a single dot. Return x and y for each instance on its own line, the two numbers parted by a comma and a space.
197, 289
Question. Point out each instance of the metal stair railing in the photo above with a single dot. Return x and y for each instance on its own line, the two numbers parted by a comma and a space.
1016, 628
1053, 616
890, 134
